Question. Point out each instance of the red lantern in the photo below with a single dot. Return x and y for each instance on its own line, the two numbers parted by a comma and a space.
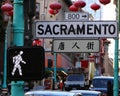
7, 7
36, 42
53, 12
10, 13
73, 8
55, 6
104, 2
80, 3
95, 6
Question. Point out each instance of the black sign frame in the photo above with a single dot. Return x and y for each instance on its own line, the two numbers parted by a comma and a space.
32, 67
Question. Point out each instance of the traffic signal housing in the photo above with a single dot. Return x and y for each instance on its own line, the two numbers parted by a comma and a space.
25, 63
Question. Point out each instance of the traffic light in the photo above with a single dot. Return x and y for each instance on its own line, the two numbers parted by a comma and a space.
25, 63
29, 7
29, 13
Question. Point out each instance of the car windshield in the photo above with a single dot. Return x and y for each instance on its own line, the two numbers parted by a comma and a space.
75, 77
101, 83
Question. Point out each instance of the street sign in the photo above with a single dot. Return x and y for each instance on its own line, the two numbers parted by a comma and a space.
25, 63
76, 45
76, 16
73, 29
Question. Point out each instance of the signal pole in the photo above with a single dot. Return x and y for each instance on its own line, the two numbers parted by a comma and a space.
116, 63
18, 40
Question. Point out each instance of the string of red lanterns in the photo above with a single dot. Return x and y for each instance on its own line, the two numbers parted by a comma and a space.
7, 8
10, 13
95, 6
54, 8
104, 2
73, 8
81, 3
53, 12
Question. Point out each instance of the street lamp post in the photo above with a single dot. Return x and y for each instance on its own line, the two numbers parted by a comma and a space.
6, 8
4, 85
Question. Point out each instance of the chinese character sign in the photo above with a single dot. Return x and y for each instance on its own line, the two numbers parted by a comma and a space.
76, 45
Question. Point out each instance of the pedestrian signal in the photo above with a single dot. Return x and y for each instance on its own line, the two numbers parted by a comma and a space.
25, 63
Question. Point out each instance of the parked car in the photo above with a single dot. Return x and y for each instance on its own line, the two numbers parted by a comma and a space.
74, 81
51, 93
88, 92
99, 83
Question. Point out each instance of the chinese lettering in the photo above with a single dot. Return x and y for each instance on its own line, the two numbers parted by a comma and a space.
61, 46
75, 45
90, 45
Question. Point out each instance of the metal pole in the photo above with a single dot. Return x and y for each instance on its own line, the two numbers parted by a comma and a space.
5, 62
18, 40
55, 63
116, 85
116, 68
4, 85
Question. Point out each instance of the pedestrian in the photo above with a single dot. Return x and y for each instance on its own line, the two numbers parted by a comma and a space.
61, 85
109, 88
48, 83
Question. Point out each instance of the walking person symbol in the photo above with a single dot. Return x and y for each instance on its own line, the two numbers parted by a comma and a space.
16, 61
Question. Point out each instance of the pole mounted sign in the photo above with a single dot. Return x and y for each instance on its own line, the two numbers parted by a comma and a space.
73, 29
76, 45
76, 16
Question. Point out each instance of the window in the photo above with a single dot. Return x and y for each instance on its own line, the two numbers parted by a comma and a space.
101, 83
76, 77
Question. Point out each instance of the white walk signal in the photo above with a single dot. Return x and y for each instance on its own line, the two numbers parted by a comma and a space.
17, 60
